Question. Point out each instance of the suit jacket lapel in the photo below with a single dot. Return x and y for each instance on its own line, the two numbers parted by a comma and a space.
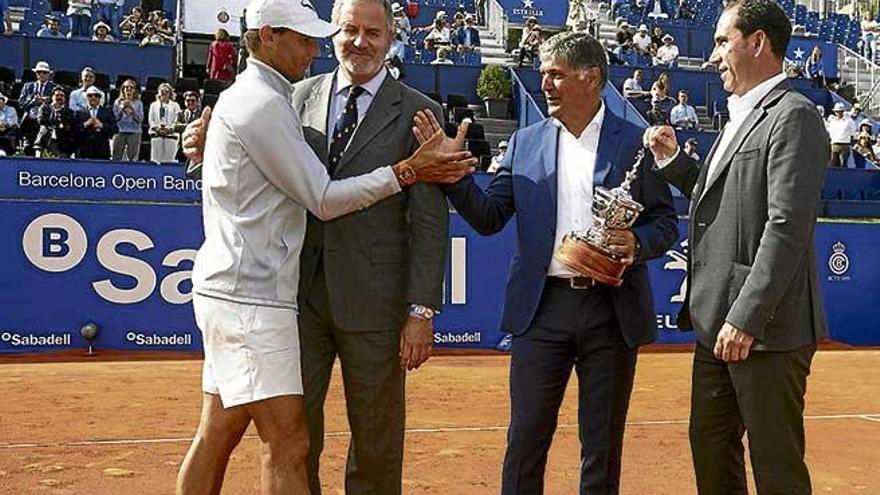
549, 151
751, 121
315, 114
608, 145
384, 110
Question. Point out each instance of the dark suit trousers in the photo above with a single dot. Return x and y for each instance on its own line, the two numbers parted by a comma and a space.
374, 396
572, 329
764, 396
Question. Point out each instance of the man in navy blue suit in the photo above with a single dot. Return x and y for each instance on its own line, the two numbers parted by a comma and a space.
558, 318
33, 95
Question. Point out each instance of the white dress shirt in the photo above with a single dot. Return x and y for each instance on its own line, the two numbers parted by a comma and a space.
642, 41
681, 113
339, 95
632, 86
841, 130
575, 162
739, 108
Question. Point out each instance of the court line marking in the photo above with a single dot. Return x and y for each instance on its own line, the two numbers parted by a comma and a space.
873, 417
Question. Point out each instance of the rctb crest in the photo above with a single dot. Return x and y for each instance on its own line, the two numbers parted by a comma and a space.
838, 262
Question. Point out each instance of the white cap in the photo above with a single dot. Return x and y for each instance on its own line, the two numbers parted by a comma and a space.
643, 28
298, 15
42, 67
93, 90
502, 144
668, 36
396, 7
838, 107
440, 14
100, 24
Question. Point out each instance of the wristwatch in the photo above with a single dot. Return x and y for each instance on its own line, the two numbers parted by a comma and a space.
421, 312
406, 174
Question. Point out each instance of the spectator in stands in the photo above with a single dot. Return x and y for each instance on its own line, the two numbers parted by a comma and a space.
814, 68
683, 11
398, 46
438, 36
690, 148
94, 127
110, 12
642, 41
128, 110
5, 21
667, 55
8, 127
78, 100
683, 116
163, 117
32, 97
626, 53
55, 138
841, 129
133, 25
152, 37
496, 159
623, 34
660, 89
656, 115
51, 28
869, 28
157, 18
467, 38
192, 110
102, 33
394, 66
855, 112
864, 141
656, 39
615, 6
221, 57
632, 86
401, 22
530, 41
657, 11
610, 56
442, 57
80, 14
876, 147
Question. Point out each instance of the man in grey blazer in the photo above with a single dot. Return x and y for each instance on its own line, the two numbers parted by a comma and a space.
371, 281
753, 294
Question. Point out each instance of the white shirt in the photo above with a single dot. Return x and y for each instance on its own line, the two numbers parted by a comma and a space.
575, 162
339, 95
841, 130
260, 176
631, 86
681, 113
643, 41
667, 53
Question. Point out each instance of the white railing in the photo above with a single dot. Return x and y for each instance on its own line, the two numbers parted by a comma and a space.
863, 74
496, 21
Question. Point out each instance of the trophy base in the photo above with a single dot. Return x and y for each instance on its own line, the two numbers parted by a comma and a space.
590, 261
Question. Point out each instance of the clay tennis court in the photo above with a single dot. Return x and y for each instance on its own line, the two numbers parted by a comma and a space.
121, 428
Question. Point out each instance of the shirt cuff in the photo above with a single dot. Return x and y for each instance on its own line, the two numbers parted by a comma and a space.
393, 178
663, 163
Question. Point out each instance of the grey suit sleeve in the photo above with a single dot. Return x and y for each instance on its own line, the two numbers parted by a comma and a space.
796, 166
429, 234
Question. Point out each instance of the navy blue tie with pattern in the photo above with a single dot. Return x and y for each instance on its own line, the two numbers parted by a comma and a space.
344, 129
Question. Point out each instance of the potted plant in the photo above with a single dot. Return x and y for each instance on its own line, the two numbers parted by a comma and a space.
494, 87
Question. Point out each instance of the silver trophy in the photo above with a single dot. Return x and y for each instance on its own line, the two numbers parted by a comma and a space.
587, 252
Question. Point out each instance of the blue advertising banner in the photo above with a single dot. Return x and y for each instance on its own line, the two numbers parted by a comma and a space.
550, 13
126, 266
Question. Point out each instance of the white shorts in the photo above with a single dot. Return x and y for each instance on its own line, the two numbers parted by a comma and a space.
251, 352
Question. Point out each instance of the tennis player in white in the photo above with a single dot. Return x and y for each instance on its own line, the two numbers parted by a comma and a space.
259, 179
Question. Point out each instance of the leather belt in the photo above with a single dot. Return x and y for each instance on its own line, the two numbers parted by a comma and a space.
579, 283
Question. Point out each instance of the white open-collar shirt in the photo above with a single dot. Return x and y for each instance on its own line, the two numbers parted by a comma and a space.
575, 164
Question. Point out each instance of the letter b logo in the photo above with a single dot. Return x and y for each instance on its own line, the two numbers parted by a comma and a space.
54, 242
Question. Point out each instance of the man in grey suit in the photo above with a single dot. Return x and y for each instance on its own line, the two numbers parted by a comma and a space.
370, 281
753, 294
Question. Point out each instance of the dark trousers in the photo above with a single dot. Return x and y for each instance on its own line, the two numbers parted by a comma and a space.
374, 396
572, 329
763, 396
